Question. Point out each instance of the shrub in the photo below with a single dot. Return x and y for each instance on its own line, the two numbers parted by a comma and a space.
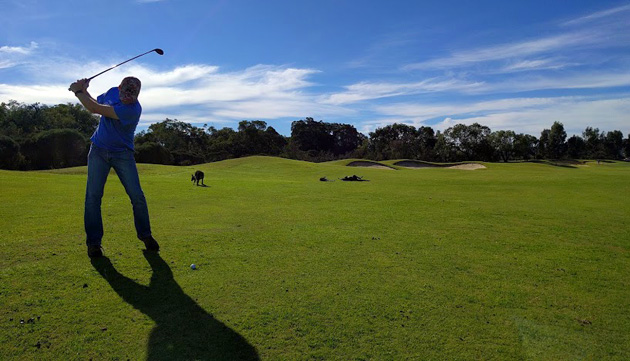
10, 156
154, 153
56, 148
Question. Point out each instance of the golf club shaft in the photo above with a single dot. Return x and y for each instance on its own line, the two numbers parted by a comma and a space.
126, 61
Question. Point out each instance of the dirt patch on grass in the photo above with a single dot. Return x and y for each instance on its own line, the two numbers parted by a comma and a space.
364, 163
418, 164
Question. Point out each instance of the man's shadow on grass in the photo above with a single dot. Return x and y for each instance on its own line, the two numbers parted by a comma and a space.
184, 330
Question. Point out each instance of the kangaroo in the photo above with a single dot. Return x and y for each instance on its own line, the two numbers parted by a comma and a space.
198, 176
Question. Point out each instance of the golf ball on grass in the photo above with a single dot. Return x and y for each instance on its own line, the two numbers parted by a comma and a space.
193, 266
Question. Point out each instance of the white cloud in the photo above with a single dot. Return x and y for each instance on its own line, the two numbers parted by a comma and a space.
190, 116
252, 84
179, 75
535, 64
508, 51
21, 50
565, 80
422, 112
366, 90
449, 85
11, 56
45, 94
6, 64
528, 115
623, 10
575, 114
195, 93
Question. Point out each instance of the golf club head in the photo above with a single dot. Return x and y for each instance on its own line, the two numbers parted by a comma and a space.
159, 51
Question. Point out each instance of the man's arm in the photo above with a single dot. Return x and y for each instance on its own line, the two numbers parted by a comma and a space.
80, 91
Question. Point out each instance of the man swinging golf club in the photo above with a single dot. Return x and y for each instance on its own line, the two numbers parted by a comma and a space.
112, 146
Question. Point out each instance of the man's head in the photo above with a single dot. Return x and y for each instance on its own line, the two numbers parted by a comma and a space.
129, 89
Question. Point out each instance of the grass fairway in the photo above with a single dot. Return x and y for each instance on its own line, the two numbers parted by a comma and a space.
513, 262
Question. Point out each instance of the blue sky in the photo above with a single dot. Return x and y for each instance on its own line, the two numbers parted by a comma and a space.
518, 65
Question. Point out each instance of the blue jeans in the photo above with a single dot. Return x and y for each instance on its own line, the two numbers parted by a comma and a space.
100, 161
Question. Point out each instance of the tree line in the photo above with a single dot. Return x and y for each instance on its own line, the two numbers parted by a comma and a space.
35, 136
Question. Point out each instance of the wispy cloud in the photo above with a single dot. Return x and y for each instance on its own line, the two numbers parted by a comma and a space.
11, 56
21, 50
382, 48
575, 113
252, 83
595, 79
423, 112
607, 28
31, 93
528, 115
508, 51
620, 10
535, 64
367, 90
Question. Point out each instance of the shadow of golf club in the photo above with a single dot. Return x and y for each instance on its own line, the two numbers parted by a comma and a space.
184, 330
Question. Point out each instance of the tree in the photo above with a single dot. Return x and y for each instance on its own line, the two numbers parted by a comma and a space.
151, 152
185, 142
525, 146
221, 144
317, 140
346, 138
254, 137
443, 151
471, 142
274, 141
395, 141
71, 116
576, 147
556, 147
20, 121
56, 148
312, 136
594, 142
426, 143
362, 150
543, 144
613, 144
626, 146
3, 116
10, 156
503, 143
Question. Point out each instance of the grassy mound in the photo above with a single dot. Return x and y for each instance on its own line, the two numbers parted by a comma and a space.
423, 164
369, 164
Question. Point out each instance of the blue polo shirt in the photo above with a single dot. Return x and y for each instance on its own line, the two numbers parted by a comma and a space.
117, 134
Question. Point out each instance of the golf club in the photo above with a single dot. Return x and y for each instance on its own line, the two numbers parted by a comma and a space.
159, 51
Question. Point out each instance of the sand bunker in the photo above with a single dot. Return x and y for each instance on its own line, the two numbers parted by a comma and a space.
468, 166
364, 163
416, 164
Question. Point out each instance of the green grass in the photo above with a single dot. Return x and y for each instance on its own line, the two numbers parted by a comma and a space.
514, 262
